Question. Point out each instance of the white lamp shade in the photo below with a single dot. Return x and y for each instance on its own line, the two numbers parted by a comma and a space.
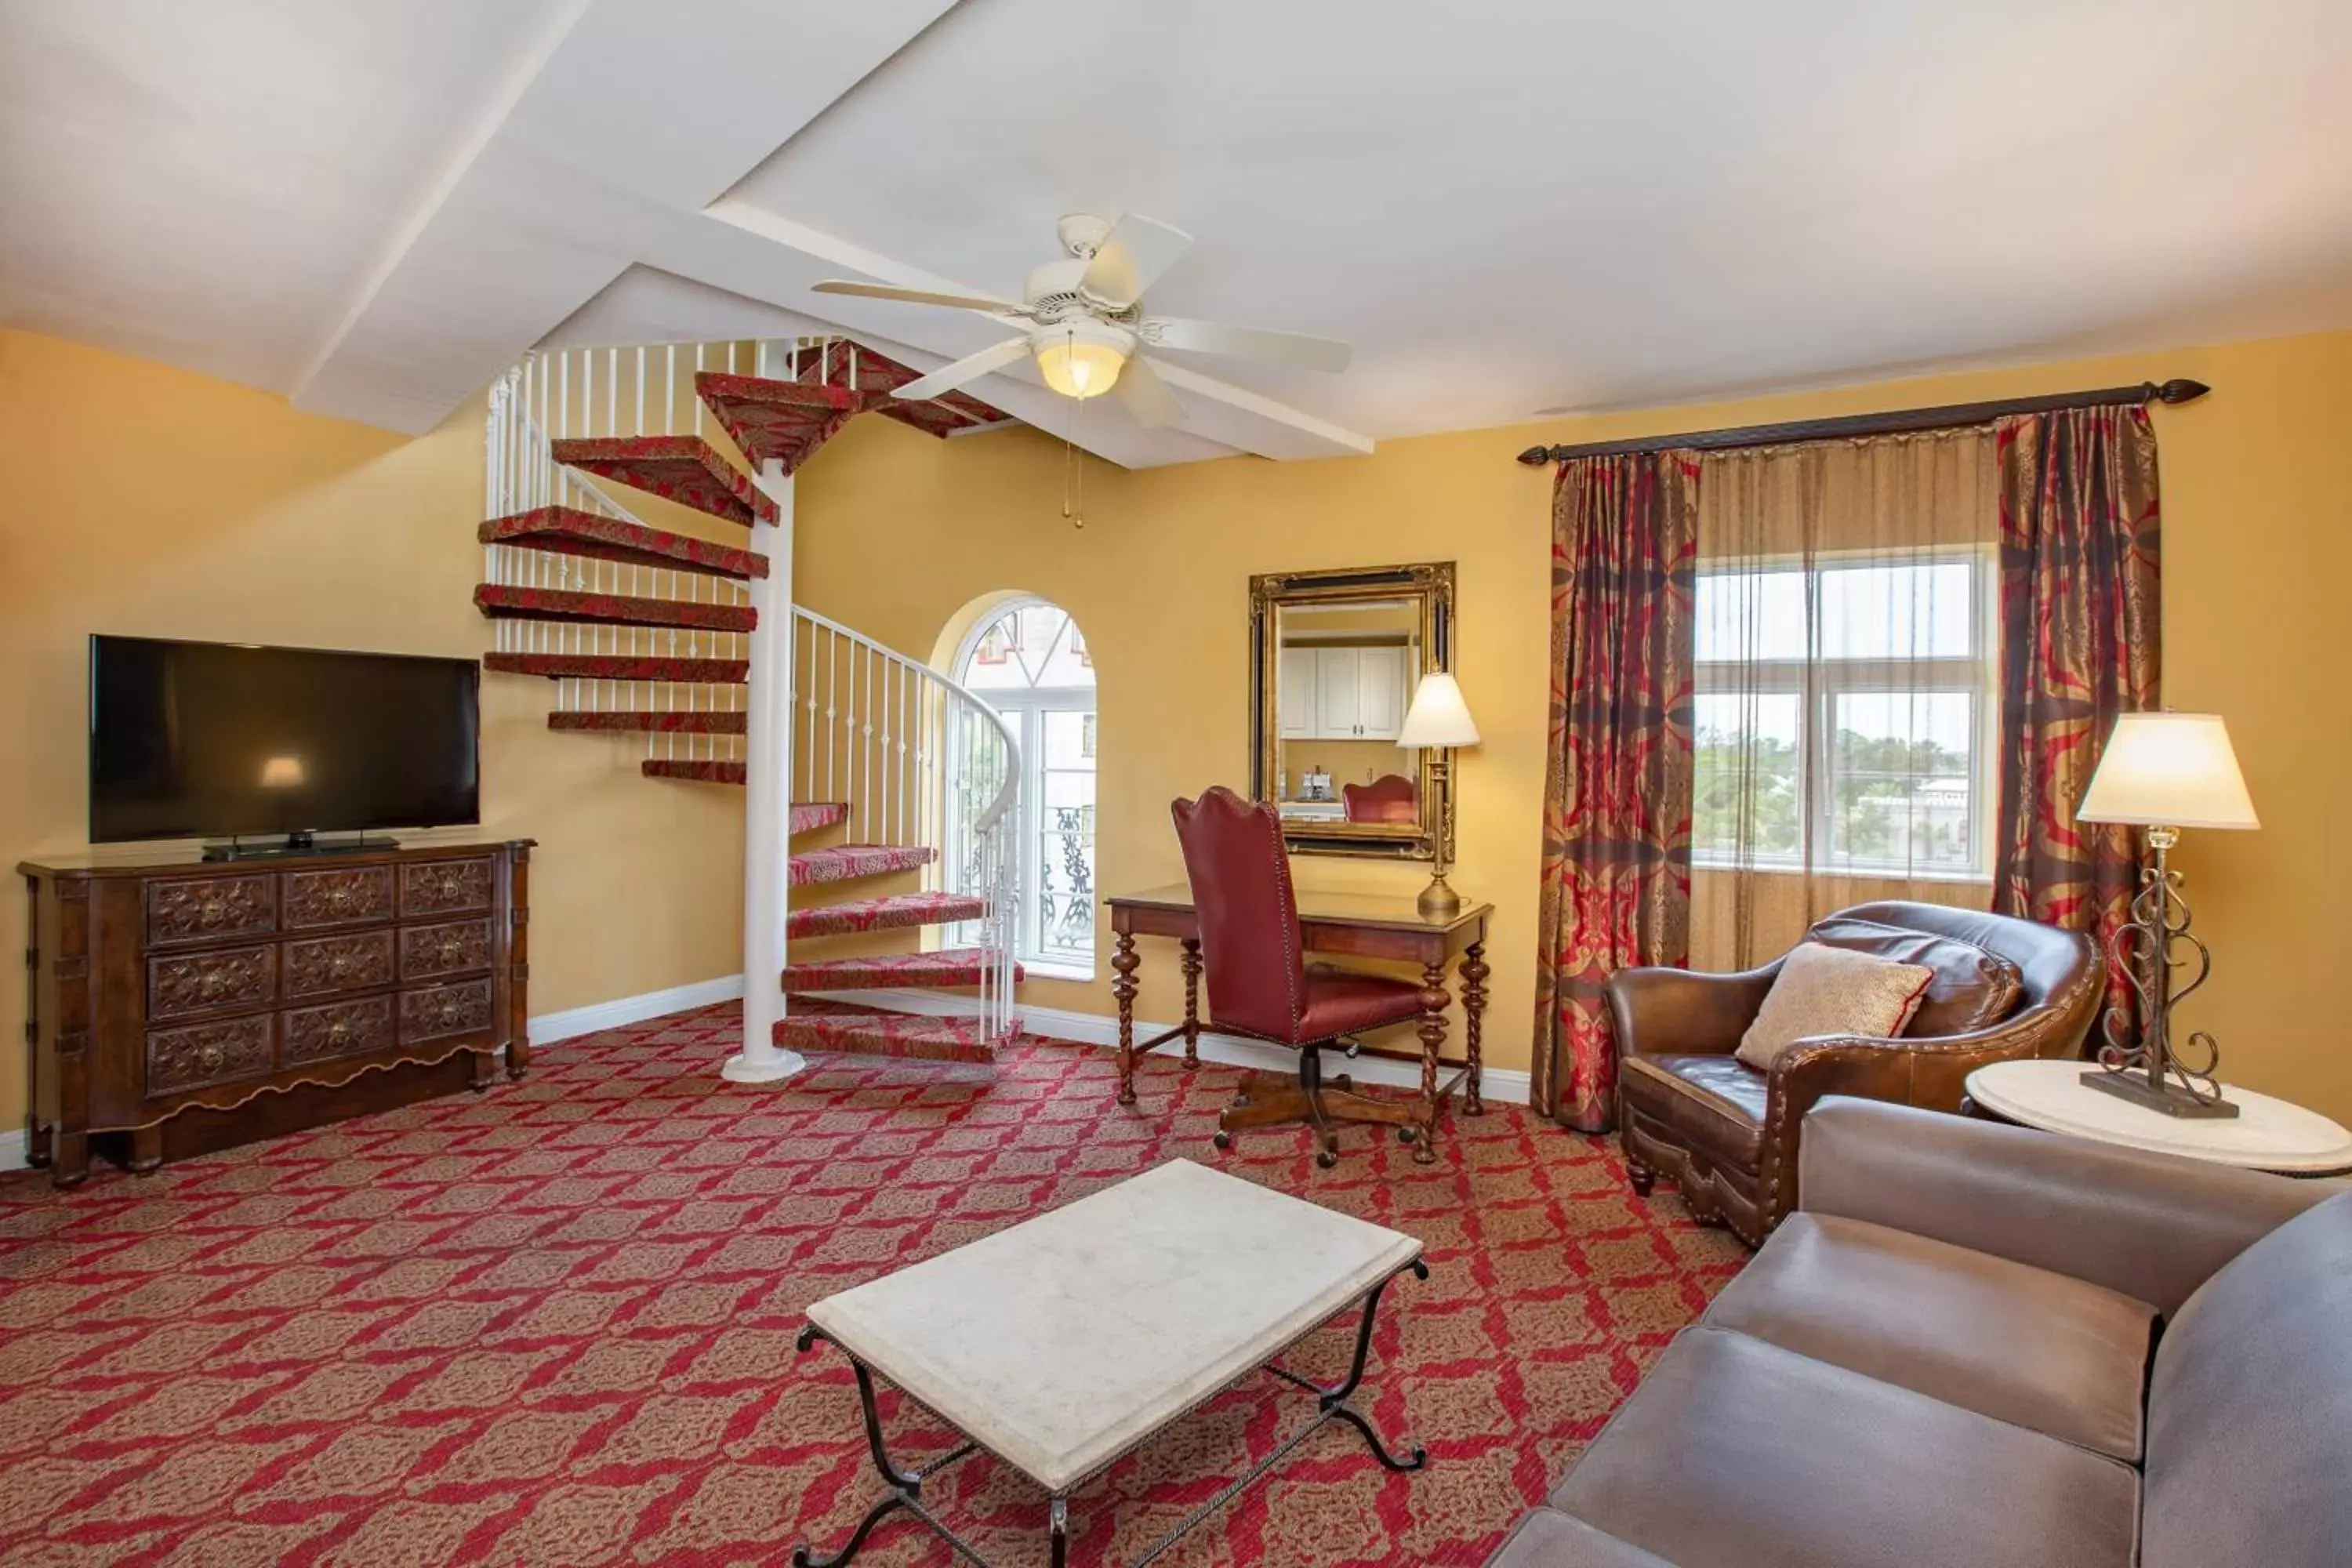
2168, 770
1438, 716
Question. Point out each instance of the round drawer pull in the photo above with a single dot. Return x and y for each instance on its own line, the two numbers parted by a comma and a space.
339, 899
449, 887
213, 982
338, 1032
449, 1011
452, 950
339, 966
209, 1058
212, 912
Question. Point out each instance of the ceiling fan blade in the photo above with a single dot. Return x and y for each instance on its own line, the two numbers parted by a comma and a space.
918, 296
1145, 397
972, 367
1130, 260
1301, 349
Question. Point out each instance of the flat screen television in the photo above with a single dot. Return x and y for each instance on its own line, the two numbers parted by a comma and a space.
225, 739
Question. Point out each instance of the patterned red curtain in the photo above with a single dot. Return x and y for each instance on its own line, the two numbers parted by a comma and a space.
2080, 645
1617, 795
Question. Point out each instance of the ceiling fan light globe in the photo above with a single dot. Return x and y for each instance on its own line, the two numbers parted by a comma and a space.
1081, 360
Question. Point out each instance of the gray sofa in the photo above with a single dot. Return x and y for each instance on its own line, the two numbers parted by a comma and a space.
1976, 1344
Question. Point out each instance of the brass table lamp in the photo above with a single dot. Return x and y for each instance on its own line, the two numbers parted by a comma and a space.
1439, 720
2164, 772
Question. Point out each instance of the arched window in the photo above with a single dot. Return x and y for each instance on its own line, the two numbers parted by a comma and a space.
1029, 662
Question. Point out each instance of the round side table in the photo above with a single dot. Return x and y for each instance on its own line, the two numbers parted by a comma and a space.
2266, 1134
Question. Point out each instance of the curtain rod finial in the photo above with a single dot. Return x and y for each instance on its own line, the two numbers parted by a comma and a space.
1534, 455
2180, 390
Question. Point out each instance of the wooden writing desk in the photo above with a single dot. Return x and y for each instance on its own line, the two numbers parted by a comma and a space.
1361, 924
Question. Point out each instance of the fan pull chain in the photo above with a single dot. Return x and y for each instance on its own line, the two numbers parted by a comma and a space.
1073, 469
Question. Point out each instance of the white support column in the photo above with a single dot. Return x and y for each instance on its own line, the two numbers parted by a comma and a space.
767, 805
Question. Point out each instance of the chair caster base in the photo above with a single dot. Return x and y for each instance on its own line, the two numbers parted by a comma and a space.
1222, 1140
1406, 1134
1326, 1159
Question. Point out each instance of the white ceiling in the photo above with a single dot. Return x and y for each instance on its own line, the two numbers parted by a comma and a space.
1509, 206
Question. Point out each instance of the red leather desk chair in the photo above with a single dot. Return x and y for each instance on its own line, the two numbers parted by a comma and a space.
1259, 982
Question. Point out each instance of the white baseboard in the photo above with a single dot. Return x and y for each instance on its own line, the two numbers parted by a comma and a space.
12, 1150
1508, 1084
622, 1011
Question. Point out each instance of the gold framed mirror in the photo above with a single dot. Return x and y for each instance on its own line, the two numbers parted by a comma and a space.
1334, 660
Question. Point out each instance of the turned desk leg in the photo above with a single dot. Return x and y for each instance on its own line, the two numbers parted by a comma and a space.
146, 1149
1124, 964
1191, 946
1432, 1041
1474, 1009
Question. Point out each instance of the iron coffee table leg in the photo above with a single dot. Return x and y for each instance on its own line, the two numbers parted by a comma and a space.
906, 1486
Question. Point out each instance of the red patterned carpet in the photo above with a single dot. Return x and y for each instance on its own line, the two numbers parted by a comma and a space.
554, 1325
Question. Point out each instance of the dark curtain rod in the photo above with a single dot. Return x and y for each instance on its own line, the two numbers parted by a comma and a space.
1890, 423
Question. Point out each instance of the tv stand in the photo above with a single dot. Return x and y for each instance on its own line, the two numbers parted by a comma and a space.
178, 1005
305, 842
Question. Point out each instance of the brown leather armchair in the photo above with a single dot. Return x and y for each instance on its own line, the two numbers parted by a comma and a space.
1259, 982
1726, 1135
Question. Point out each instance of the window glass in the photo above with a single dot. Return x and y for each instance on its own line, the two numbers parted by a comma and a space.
1839, 716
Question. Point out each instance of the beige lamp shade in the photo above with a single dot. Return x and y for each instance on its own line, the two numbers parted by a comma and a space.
2168, 770
1438, 716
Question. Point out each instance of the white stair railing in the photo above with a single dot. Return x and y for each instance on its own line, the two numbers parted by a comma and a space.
919, 759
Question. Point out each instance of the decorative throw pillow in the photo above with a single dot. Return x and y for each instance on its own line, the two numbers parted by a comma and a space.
1823, 990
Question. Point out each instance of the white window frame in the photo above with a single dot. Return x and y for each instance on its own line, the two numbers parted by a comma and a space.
1817, 684
1024, 709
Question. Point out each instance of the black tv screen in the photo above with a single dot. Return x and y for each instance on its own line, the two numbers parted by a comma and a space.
192, 739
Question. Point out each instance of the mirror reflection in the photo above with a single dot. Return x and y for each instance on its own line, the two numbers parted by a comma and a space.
1344, 676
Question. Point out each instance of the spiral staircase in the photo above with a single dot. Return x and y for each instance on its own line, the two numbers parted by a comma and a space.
693, 642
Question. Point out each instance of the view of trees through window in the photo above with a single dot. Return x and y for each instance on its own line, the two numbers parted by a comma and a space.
1850, 738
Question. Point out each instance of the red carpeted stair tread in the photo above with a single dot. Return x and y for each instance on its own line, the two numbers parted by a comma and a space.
778, 421
682, 468
706, 771
844, 364
621, 667
671, 721
894, 912
825, 1027
808, 815
568, 531
843, 862
503, 603
949, 967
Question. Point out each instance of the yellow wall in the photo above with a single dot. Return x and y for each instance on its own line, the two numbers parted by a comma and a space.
148, 501
898, 531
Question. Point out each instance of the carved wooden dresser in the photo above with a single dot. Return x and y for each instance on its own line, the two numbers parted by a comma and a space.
177, 1005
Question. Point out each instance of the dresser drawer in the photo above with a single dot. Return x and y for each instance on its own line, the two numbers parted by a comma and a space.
351, 1029
319, 966
181, 985
211, 908
337, 898
445, 888
458, 947
199, 1055
436, 1012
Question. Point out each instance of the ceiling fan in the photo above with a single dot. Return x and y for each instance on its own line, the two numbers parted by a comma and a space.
1087, 329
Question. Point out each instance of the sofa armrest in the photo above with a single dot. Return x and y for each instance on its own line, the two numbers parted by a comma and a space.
2153, 1226
1680, 1012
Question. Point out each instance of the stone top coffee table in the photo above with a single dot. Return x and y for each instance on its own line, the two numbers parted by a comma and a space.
1060, 1343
